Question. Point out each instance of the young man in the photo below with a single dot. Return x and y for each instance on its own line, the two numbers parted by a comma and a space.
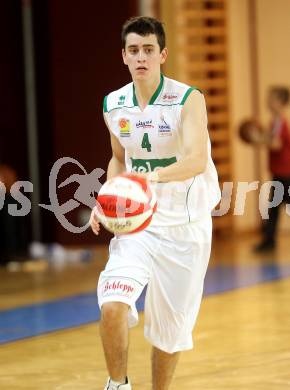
278, 143
158, 128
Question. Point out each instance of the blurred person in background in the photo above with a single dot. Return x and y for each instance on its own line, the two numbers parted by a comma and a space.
278, 143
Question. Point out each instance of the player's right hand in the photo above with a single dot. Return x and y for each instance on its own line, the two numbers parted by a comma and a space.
94, 222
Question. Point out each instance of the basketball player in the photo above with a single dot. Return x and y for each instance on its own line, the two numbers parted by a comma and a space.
158, 128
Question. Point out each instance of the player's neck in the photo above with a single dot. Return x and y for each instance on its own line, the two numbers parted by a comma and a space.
144, 90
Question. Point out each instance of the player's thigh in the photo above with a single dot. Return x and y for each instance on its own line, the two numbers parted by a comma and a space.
127, 271
179, 275
174, 291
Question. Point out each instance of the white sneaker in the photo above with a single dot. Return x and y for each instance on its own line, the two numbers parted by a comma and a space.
125, 386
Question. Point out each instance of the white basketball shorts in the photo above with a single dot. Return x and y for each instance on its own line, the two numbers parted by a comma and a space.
172, 262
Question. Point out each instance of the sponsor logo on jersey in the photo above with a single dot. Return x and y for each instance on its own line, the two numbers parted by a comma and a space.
169, 97
121, 100
149, 165
145, 124
164, 128
124, 127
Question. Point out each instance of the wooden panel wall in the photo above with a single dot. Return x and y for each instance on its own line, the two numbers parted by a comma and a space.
81, 70
197, 42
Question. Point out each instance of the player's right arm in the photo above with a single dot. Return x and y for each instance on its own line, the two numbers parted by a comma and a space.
115, 167
117, 162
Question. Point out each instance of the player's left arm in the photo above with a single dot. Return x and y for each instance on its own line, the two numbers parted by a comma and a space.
194, 139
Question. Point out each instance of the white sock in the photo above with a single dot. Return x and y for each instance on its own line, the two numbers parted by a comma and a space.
116, 384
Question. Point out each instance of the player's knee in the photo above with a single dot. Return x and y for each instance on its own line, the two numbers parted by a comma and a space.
113, 312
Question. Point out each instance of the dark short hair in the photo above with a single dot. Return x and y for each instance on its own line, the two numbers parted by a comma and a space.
144, 25
282, 94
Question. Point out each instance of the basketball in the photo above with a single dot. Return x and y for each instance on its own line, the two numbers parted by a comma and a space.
126, 204
250, 131
7, 176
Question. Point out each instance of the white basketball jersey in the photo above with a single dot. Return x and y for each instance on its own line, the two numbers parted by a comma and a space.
152, 139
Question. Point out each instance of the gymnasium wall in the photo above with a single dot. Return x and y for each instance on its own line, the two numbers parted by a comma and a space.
77, 52
264, 23
13, 145
85, 65
13, 139
241, 104
273, 54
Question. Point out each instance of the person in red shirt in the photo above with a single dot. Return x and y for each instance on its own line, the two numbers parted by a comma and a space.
279, 161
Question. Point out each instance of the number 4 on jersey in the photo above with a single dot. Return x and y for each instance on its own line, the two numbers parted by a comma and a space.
146, 143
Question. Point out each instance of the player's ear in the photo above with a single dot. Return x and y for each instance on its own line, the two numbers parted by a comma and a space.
124, 56
163, 55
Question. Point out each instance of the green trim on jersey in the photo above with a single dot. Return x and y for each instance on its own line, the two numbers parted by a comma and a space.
155, 104
135, 102
152, 100
186, 201
149, 164
158, 90
155, 94
119, 108
105, 107
187, 93
166, 105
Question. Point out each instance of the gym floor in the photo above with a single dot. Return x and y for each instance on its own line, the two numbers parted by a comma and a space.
49, 325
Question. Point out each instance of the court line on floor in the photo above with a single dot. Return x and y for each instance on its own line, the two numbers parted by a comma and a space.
46, 317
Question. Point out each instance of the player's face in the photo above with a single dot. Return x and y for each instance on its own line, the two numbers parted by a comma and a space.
143, 56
